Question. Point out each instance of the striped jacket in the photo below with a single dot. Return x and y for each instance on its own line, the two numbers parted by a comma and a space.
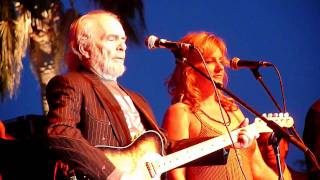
83, 113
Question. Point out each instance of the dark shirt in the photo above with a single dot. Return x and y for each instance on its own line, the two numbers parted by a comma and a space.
311, 135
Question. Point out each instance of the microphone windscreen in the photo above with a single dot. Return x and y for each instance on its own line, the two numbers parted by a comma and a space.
150, 41
234, 63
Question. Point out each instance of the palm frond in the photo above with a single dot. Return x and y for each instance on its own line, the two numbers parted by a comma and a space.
14, 33
22, 31
10, 67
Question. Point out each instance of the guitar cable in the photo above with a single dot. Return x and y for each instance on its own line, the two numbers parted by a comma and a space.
292, 130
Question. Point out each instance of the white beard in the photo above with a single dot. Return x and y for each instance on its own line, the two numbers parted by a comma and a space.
107, 68
114, 69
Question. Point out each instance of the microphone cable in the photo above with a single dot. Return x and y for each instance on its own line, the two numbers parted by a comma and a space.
292, 129
220, 109
281, 87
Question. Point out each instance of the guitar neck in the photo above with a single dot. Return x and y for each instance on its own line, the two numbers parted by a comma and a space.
194, 152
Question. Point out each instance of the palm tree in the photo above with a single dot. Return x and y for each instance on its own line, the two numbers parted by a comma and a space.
41, 27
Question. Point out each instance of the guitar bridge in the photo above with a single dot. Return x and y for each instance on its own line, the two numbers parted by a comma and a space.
151, 169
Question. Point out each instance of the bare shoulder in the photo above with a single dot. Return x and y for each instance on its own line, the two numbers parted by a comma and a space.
176, 121
178, 108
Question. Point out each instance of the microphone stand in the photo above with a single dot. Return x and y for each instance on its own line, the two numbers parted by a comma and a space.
273, 139
275, 127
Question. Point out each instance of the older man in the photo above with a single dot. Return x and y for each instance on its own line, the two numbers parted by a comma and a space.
87, 105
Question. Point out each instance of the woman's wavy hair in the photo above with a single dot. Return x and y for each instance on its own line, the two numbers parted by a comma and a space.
182, 85
82, 32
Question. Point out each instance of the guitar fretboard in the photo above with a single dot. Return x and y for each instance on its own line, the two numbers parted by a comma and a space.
194, 152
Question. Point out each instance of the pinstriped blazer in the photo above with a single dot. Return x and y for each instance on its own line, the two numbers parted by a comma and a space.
84, 113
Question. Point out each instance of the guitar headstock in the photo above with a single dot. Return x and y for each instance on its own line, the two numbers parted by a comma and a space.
282, 119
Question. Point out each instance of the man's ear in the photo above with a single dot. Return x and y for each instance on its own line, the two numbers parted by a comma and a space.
84, 50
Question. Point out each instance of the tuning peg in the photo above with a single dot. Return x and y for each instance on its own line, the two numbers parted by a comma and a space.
290, 122
264, 115
286, 114
281, 114
269, 115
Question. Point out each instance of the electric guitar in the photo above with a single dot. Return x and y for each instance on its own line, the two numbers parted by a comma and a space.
147, 150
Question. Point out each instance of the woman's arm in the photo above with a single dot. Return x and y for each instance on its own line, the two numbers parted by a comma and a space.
176, 123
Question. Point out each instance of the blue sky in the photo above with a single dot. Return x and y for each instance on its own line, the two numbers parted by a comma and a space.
286, 33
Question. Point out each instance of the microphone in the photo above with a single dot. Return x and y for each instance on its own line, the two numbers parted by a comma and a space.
236, 64
153, 42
